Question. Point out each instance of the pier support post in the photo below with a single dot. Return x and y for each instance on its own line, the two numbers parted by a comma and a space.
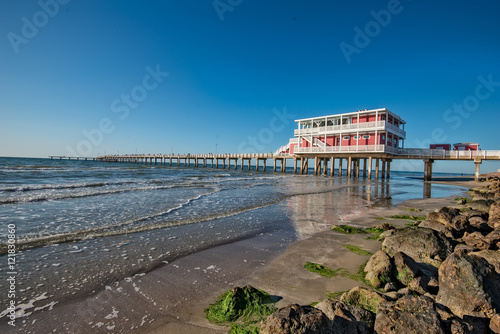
388, 170
428, 169
325, 165
364, 167
249, 160
340, 166
295, 160
332, 166
316, 160
358, 162
349, 166
264, 167
377, 161
369, 168
274, 165
476, 174
383, 168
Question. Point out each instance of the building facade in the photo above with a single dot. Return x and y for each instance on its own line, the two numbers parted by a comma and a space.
376, 130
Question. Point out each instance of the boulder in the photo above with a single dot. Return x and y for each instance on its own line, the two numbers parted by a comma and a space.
467, 325
468, 285
346, 318
379, 269
422, 244
493, 238
460, 224
495, 323
494, 213
444, 218
475, 213
440, 227
406, 268
296, 319
476, 240
492, 256
480, 204
480, 224
363, 297
409, 314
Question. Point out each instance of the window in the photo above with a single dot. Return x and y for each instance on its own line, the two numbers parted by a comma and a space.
346, 137
383, 137
366, 136
356, 137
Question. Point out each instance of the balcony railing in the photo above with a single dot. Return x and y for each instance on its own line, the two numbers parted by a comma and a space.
410, 152
377, 125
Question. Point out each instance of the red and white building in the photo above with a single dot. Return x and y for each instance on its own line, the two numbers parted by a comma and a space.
376, 130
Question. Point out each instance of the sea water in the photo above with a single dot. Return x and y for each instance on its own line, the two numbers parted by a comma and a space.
80, 225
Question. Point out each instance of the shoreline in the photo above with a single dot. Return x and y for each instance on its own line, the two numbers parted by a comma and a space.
196, 280
285, 276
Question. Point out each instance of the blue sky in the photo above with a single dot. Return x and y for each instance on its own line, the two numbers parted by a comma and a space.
96, 77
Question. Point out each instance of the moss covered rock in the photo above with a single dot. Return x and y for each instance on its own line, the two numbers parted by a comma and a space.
246, 305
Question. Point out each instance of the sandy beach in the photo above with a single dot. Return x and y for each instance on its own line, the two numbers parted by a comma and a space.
172, 297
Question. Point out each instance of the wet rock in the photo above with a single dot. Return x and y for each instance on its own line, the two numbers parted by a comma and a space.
296, 319
468, 285
421, 244
346, 318
492, 256
409, 314
363, 297
379, 269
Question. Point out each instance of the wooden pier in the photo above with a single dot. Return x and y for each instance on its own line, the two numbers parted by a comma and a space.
356, 164
65, 157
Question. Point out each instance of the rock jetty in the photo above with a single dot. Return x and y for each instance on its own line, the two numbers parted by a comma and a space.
441, 276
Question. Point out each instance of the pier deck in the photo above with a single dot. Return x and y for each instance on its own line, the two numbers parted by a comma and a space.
324, 162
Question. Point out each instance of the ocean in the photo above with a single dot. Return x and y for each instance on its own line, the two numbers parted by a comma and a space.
82, 225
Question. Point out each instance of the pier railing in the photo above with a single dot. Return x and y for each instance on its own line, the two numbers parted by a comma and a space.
372, 126
411, 153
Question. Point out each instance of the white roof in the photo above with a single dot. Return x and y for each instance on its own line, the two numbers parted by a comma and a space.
360, 112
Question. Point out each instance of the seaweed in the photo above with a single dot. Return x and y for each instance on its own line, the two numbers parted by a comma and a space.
245, 305
357, 250
346, 229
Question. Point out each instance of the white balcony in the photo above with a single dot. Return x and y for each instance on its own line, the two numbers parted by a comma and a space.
354, 127
341, 149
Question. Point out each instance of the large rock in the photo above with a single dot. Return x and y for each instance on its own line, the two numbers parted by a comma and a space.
363, 297
409, 314
467, 325
475, 213
476, 240
348, 319
494, 213
481, 204
440, 227
480, 224
492, 256
422, 244
469, 285
379, 269
406, 268
296, 319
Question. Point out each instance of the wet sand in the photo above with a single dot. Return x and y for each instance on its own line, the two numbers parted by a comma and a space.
171, 298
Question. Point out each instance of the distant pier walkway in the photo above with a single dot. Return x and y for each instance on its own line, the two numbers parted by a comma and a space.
357, 163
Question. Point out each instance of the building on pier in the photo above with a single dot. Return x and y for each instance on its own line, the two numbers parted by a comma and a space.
376, 130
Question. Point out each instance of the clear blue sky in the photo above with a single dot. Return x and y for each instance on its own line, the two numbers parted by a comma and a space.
196, 76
